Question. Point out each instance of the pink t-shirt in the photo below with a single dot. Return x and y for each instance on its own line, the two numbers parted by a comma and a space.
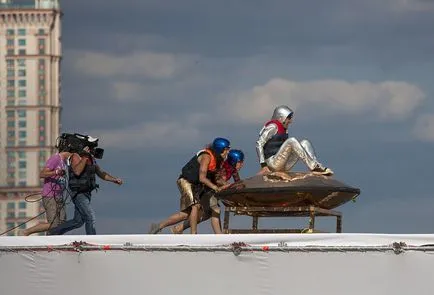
54, 186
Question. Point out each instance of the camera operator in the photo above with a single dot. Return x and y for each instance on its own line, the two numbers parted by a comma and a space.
83, 168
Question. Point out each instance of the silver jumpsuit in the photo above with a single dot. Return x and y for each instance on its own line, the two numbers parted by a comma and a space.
290, 151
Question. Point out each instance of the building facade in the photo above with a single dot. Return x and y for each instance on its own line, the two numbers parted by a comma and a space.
30, 55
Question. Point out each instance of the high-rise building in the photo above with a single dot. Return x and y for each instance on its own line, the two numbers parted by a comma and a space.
30, 54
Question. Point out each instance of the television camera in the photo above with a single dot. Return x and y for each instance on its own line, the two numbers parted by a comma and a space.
75, 143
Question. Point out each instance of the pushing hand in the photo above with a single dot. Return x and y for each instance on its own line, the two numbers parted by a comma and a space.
59, 172
117, 181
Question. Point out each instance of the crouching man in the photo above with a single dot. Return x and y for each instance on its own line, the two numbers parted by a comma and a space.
209, 203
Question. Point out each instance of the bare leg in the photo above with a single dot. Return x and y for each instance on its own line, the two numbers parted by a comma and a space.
187, 199
194, 215
173, 219
178, 229
40, 227
215, 223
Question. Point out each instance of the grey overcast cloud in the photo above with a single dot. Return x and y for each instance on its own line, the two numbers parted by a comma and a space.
157, 80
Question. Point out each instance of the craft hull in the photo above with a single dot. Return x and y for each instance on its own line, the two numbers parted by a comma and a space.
288, 190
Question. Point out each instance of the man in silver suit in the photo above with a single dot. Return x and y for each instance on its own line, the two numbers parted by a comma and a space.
278, 152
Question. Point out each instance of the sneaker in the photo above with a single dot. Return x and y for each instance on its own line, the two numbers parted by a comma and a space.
154, 229
323, 170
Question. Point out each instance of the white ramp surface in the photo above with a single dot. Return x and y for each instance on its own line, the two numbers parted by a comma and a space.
218, 264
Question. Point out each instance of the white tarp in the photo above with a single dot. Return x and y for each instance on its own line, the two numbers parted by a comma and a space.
204, 264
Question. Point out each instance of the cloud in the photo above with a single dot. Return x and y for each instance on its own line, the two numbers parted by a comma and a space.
141, 64
411, 5
150, 135
127, 90
387, 100
424, 128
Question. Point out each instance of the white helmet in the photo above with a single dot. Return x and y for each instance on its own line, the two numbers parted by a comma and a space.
281, 113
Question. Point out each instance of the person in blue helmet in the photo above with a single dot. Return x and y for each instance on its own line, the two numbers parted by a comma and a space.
209, 203
197, 175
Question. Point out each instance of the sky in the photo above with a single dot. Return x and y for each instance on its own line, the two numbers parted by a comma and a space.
158, 80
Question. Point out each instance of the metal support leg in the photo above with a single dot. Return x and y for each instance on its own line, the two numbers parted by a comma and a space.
255, 223
311, 219
339, 224
226, 222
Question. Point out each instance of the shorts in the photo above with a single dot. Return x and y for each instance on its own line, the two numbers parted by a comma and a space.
189, 193
54, 210
209, 201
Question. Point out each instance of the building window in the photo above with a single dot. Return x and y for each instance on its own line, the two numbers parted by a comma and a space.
21, 113
10, 42
42, 50
10, 114
21, 52
11, 73
22, 134
22, 174
22, 183
11, 205
22, 124
22, 93
22, 83
22, 42
11, 93
22, 215
11, 133
21, 32
21, 62
11, 214
41, 42
10, 32
11, 83
11, 164
10, 62
21, 154
41, 32
11, 124
11, 52
22, 164
22, 73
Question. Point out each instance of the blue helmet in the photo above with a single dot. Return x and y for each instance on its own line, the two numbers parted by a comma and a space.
235, 156
219, 144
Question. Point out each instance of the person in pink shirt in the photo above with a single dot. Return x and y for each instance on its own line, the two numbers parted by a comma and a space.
53, 192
